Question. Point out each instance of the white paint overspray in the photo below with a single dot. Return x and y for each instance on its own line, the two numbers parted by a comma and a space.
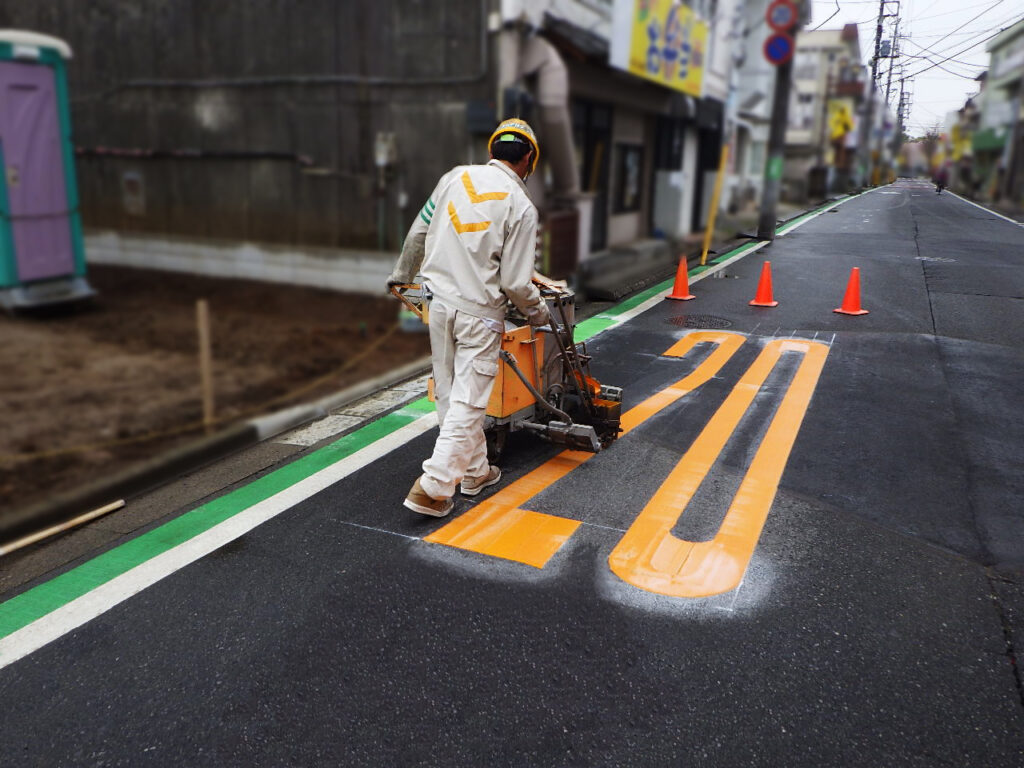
744, 602
490, 568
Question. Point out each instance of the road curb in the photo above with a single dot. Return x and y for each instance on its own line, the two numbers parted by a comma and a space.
151, 473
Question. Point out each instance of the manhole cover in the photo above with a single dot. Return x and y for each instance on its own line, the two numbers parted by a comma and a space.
700, 321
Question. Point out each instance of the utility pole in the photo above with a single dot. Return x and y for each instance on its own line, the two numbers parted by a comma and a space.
786, 18
776, 149
897, 139
893, 52
864, 140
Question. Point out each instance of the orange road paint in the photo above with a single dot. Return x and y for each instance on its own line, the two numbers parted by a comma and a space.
650, 557
501, 528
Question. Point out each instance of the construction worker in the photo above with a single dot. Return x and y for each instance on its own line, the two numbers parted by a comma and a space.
473, 246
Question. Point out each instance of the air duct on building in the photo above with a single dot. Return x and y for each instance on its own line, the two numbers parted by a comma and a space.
537, 57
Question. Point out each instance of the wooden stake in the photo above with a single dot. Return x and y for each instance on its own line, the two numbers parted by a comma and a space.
205, 362
32, 538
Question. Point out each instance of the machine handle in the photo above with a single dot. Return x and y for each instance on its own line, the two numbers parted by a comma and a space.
398, 291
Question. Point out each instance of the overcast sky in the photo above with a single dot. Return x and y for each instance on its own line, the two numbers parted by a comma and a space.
935, 29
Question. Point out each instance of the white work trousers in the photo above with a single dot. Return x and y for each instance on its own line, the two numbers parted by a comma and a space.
464, 354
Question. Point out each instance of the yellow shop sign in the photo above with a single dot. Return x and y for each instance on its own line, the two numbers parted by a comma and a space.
660, 40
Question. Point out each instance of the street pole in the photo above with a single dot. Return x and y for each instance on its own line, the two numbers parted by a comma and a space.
897, 139
864, 140
892, 59
776, 148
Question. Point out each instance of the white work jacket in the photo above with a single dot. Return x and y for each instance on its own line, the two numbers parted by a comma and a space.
473, 243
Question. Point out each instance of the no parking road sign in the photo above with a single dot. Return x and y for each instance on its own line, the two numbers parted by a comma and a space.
781, 15
778, 49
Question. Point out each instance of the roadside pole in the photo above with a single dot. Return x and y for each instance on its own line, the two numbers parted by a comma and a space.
775, 52
864, 140
205, 363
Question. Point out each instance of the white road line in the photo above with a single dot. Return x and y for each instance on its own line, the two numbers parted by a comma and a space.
104, 597
986, 210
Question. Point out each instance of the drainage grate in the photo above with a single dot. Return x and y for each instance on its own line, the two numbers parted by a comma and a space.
700, 321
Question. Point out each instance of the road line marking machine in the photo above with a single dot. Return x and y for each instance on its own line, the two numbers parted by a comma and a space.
544, 383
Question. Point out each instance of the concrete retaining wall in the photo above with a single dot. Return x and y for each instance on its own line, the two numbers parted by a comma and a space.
351, 271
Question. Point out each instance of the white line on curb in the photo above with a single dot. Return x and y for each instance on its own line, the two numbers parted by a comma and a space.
100, 599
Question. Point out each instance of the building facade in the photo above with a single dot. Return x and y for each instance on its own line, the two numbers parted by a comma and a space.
325, 125
1000, 140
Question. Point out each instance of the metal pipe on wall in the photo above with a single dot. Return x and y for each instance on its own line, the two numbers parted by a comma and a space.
538, 57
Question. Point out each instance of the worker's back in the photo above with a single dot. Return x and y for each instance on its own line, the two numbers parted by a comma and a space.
480, 230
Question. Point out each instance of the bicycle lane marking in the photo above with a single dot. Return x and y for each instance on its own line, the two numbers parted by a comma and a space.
500, 527
650, 557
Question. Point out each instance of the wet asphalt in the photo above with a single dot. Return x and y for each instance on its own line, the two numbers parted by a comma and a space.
877, 624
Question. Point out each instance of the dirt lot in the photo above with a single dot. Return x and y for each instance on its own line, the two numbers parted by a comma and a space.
127, 368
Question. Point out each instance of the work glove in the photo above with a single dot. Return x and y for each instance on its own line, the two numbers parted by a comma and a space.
538, 315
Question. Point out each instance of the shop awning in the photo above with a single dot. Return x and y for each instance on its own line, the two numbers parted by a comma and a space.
988, 140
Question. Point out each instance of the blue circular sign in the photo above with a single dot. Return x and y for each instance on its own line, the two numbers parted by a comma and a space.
778, 49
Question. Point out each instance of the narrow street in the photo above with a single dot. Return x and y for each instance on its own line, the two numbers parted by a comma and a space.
805, 550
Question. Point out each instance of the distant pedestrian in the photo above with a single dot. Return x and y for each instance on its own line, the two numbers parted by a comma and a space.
941, 179
473, 245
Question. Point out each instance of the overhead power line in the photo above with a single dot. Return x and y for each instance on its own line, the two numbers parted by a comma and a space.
963, 50
932, 61
973, 18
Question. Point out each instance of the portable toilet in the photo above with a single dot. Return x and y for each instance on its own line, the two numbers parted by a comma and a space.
42, 259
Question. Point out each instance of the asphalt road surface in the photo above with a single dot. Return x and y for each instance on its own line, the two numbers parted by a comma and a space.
806, 550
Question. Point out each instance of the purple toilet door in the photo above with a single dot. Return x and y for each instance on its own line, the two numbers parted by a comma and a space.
30, 131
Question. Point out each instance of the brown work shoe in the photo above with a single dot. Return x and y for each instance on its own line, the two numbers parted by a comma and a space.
471, 486
419, 501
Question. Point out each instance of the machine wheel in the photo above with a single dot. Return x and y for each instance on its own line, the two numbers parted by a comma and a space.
496, 438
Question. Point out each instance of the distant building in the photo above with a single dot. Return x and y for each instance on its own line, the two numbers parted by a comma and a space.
824, 110
999, 142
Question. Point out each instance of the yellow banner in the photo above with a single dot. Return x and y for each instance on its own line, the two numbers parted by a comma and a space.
668, 44
840, 119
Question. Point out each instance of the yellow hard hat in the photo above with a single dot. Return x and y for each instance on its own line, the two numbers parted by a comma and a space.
520, 129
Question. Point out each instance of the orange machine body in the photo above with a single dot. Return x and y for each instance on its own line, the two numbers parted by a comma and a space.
510, 395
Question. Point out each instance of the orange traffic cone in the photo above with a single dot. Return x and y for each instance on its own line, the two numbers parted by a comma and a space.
681, 288
764, 288
851, 301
